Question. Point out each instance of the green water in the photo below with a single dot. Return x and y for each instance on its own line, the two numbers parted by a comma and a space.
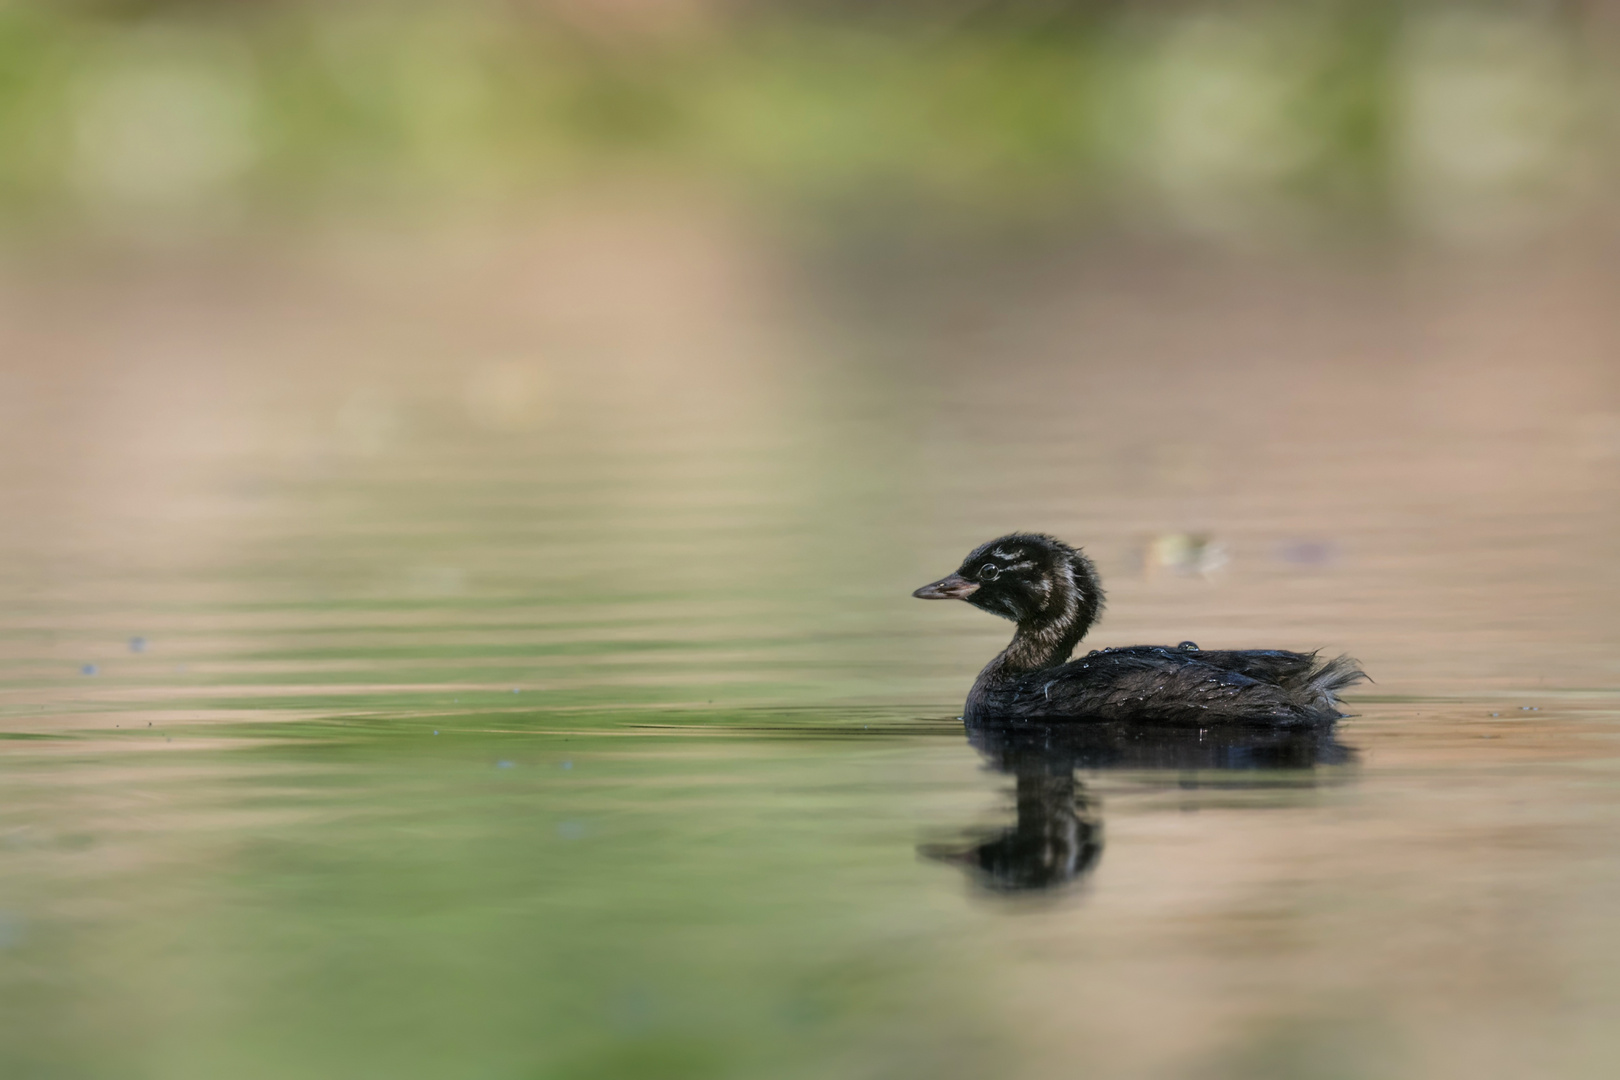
593, 733
500, 899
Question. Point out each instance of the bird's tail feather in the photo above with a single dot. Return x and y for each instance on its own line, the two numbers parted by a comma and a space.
1326, 682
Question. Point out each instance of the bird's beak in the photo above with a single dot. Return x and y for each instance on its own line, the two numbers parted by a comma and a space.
955, 587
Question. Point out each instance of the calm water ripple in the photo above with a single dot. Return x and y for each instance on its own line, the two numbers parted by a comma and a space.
346, 731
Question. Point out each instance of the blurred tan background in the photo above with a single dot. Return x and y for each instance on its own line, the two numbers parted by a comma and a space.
733, 321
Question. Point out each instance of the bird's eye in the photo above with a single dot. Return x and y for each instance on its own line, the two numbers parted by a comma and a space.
989, 572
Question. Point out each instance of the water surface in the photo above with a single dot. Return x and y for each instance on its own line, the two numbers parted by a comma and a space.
491, 656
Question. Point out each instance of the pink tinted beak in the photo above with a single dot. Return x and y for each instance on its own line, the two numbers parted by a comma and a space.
955, 587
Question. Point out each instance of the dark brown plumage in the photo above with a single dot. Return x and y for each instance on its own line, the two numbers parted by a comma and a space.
1052, 592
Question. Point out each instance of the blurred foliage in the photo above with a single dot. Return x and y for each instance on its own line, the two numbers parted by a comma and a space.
1250, 118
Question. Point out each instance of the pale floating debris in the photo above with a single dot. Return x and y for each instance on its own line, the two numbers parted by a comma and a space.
1186, 554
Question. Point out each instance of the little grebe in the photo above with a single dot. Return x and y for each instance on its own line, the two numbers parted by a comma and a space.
1051, 591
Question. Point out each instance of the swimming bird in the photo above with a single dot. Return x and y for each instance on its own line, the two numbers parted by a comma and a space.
1052, 591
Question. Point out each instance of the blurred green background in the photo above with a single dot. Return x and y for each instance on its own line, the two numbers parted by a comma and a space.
1246, 119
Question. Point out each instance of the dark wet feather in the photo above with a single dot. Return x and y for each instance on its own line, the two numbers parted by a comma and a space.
1174, 686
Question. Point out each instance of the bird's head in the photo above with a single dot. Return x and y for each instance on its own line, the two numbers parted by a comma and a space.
1025, 577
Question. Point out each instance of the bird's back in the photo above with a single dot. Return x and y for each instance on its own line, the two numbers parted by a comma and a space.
1184, 685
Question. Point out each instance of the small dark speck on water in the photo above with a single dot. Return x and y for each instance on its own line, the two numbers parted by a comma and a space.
12, 930
89, 669
634, 1011
503, 764
137, 644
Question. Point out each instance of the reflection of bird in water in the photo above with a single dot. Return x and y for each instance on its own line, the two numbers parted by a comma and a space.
1051, 591
1057, 836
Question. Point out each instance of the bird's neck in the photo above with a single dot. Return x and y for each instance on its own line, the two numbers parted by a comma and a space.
1039, 644
1048, 639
